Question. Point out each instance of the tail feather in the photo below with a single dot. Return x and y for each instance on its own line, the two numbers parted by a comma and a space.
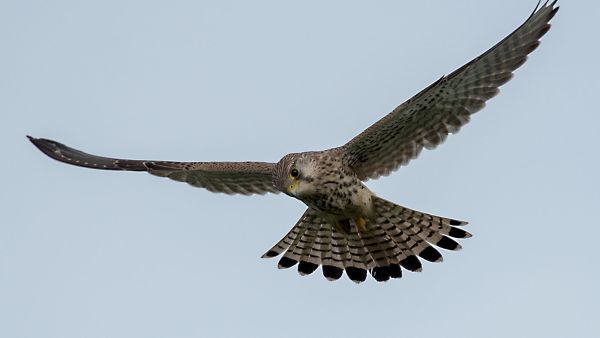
429, 228
410, 246
378, 244
294, 252
290, 258
310, 257
332, 263
442, 225
359, 253
340, 252
395, 238
347, 257
288, 239
383, 250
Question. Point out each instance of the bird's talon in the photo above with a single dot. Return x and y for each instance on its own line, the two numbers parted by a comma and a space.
361, 224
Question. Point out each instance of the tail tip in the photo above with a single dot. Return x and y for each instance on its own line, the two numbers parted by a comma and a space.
270, 254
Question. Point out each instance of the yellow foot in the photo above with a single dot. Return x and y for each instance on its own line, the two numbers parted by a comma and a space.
361, 224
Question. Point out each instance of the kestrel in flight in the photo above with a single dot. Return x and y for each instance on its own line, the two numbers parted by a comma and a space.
346, 226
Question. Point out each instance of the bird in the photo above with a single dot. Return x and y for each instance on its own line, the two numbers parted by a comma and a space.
346, 227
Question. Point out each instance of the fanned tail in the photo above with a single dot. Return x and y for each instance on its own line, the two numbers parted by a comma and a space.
395, 239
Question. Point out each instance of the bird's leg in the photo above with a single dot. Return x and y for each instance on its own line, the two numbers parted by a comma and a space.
361, 224
343, 226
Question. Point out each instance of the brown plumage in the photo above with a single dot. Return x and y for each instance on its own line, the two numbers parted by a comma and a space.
346, 227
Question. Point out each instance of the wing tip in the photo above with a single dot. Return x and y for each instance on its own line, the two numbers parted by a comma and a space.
33, 140
48, 147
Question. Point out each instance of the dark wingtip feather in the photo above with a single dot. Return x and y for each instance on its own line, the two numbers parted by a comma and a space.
66, 154
356, 274
537, 7
45, 146
543, 31
528, 50
555, 9
332, 272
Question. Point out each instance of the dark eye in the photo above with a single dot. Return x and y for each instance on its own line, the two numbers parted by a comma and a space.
294, 173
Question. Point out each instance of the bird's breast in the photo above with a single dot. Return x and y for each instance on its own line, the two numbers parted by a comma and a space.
341, 199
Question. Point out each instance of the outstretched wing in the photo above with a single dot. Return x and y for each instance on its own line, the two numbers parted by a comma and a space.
228, 177
446, 105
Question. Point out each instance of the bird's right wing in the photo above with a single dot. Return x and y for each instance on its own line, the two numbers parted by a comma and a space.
244, 178
446, 105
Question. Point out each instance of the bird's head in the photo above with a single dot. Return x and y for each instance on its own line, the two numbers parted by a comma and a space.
295, 175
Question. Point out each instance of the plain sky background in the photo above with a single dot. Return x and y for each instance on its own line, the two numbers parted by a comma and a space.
87, 253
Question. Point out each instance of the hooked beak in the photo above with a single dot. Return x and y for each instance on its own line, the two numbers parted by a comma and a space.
291, 189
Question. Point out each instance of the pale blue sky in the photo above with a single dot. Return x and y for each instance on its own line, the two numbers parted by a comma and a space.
87, 253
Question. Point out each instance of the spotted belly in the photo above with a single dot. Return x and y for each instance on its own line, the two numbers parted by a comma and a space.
342, 201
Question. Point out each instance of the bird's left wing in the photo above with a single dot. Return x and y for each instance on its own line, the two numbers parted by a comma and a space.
446, 105
244, 178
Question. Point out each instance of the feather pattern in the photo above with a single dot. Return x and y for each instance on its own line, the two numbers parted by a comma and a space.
244, 178
425, 120
397, 238
379, 237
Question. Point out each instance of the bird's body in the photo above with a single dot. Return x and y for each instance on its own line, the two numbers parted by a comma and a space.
327, 186
346, 227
